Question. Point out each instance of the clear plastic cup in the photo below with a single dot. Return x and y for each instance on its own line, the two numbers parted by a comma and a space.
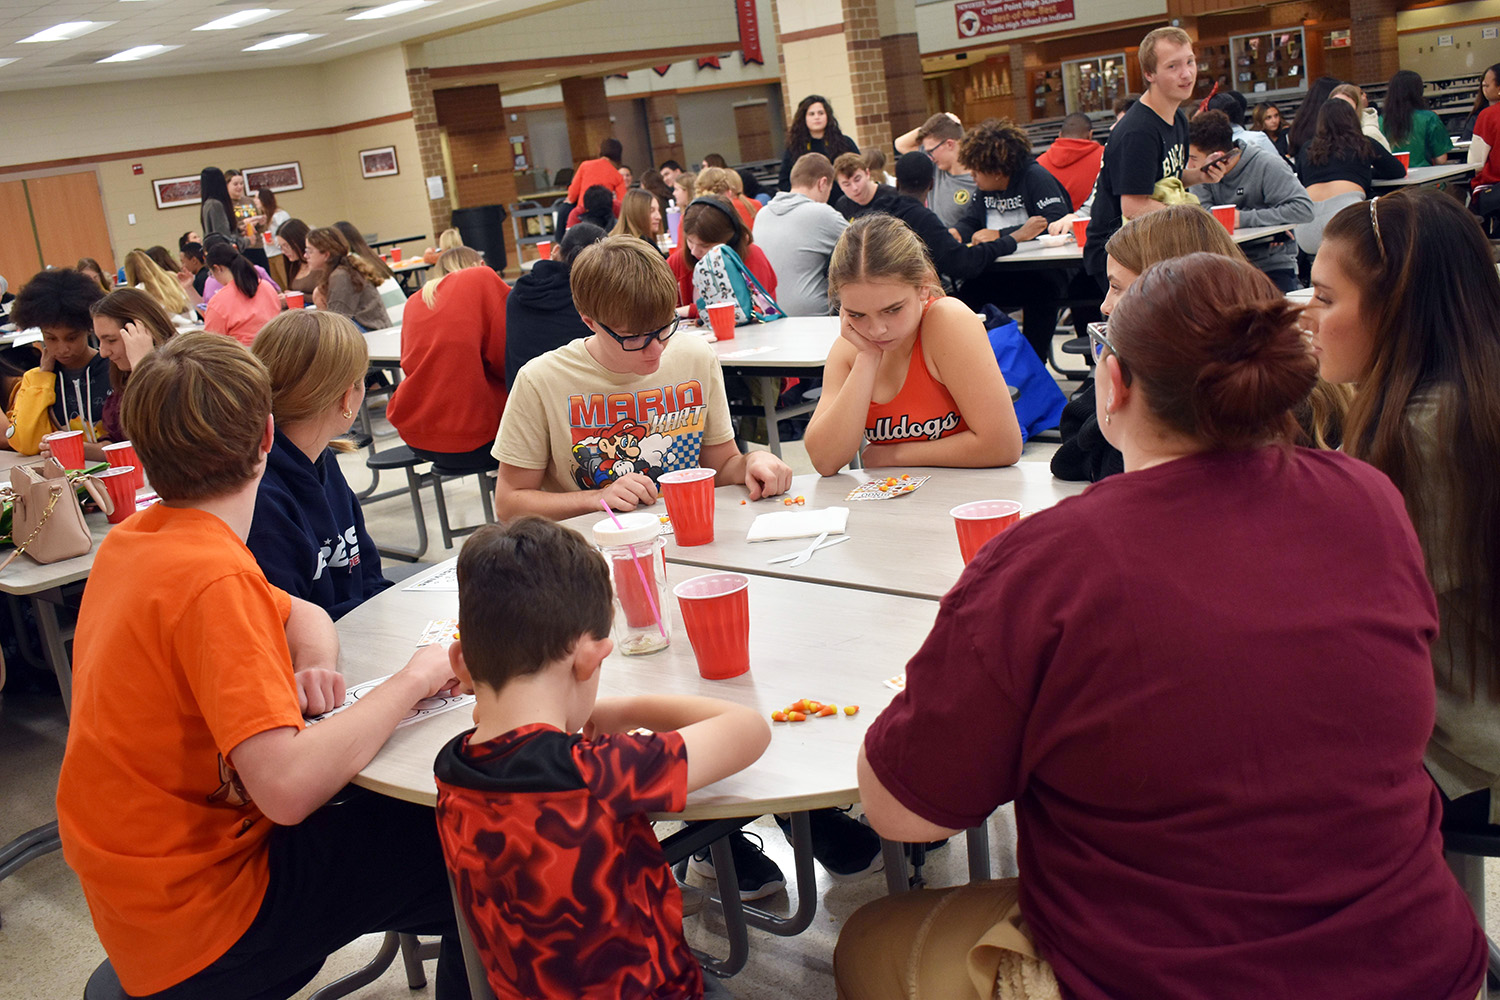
67, 448
716, 613
636, 555
690, 503
980, 520
721, 318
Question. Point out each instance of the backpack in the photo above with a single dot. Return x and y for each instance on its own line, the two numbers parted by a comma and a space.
1040, 403
722, 277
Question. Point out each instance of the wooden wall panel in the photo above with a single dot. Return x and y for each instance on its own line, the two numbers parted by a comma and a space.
18, 254
69, 214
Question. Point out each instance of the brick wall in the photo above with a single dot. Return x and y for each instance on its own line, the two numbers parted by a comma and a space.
484, 170
587, 108
867, 72
902, 61
429, 145
1373, 39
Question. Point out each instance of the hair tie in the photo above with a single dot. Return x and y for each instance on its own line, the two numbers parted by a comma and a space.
716, 203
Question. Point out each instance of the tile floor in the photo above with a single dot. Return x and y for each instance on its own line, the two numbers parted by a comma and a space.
48, 947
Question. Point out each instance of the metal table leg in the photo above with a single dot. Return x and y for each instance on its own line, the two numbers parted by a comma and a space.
54, 640
28, 847
978, 841
896, 879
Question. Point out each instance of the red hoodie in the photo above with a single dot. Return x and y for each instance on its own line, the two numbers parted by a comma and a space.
1075, 163
453, 354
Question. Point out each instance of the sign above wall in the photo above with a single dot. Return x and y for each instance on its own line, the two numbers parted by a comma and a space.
977, 18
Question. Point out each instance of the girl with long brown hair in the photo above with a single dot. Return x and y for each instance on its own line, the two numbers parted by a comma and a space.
1405, 300
349, 284
300, 275
639, 216
129, 324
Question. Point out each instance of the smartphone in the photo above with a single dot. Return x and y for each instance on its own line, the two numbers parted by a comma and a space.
1216, 158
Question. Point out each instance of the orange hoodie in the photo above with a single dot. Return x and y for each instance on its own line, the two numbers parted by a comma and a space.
1075, 163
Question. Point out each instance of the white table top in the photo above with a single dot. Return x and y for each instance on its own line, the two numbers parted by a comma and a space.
384, 344
907, 546
793, 654
1430, 175
1031, 252
793, 342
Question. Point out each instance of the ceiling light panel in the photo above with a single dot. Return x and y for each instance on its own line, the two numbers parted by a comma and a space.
66, 30
281, 42
392, 9
239, 19
139, 52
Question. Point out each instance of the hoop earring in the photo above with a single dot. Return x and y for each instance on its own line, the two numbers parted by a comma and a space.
348, 414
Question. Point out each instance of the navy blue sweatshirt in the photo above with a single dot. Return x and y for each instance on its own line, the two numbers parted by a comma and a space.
309, 532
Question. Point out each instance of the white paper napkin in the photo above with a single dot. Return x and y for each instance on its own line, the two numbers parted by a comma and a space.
798, 524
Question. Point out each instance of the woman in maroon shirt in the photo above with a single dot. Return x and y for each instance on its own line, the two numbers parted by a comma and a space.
1205, 684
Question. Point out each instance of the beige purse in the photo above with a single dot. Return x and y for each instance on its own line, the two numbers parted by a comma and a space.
47, 523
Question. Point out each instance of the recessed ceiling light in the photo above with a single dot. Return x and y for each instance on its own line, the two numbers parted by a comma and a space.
7, 62
239, 19
139, 52
391, 9
281, 42
66, 30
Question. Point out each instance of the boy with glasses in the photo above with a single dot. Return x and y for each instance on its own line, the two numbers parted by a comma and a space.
953, 186
603, 417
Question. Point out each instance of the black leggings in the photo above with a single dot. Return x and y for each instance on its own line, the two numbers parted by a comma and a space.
367, 863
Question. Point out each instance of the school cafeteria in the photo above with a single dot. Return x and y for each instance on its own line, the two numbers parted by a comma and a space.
875, 499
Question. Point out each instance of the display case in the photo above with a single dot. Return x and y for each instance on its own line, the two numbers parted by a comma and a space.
1214, 66
1092, 84
1272, 60
1047, 93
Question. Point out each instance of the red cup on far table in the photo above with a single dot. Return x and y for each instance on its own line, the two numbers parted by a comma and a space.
295, 300
721, 318
544, 250
1081, 231
120, 482
690, 504
121, 454
1405, 159
395, 255
67, 448
980, 520
716, 613
1225, 215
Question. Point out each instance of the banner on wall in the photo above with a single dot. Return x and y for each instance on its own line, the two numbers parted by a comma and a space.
661, 70
991, 17
712, 62
750, 33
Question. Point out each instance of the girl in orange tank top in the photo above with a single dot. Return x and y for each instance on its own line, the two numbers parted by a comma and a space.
928, 357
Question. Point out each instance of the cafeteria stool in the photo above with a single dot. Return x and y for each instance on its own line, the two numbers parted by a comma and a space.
105, 985
401, 457
1465, 852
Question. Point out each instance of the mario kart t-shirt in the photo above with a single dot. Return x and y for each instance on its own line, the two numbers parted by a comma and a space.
587, 426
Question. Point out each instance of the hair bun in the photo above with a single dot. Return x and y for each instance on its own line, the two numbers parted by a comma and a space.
1264, 370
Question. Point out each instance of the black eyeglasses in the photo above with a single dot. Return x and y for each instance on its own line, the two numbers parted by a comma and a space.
927, 151
1099, 340
639, 342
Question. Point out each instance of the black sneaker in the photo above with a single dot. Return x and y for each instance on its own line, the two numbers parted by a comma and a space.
846, 848
758, 875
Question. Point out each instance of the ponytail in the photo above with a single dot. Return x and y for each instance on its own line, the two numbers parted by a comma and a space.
246, 278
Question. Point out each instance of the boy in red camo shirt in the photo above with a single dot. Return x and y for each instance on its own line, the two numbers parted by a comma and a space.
563, 884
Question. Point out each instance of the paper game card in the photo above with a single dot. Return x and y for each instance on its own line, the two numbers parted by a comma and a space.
426, 708
888, 488
440, 630
445, 579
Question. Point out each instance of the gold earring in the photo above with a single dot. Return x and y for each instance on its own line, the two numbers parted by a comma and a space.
348, 414
1108, 417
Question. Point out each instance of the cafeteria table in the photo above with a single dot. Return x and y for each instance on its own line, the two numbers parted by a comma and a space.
793, 654
1032, 256
906, 546
793, 347
409, 274
1430, 176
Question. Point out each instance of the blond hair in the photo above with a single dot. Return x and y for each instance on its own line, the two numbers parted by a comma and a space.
195, 409
313, 358
635, 215
1147, 53
688, 181
457, 259
881, 247
623, 282
718, 180
1174, 231
141, 270
451, 239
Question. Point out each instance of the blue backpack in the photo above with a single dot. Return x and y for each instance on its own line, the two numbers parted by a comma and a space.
722, 277
1040, 405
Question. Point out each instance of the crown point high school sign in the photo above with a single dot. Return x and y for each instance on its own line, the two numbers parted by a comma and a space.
990, 17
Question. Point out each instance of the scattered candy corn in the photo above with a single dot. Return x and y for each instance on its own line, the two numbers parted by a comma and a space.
851, 709
778, 716
795, 717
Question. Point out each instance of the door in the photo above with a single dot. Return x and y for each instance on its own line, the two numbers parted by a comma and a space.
19, 258
69, 215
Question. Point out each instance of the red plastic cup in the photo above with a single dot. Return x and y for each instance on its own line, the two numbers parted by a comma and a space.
122, 454
634, 597
295, 300
690, 504
980, 520
1405, 159
1225, 215
67, 448
544, 250
716, 613
395, 255
1081, 231
721, 318
120, 482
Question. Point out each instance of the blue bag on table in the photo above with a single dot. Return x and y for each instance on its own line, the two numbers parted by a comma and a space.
1040, 405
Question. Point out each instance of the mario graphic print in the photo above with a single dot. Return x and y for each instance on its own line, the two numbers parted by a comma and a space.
650, 431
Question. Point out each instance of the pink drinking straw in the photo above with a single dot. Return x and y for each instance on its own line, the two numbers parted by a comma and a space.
650, 597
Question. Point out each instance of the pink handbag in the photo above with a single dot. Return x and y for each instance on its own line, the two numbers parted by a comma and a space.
47, 520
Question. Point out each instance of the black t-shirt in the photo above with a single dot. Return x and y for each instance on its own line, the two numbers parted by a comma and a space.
1142, 150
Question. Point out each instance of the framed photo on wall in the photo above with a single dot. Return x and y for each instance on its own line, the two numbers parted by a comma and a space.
173, 192
379, 162
278, 177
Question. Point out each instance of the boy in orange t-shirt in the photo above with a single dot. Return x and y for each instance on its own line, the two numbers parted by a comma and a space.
193, 800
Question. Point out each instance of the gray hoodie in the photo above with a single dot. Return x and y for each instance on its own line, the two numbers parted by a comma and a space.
798, 235
1266, 191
